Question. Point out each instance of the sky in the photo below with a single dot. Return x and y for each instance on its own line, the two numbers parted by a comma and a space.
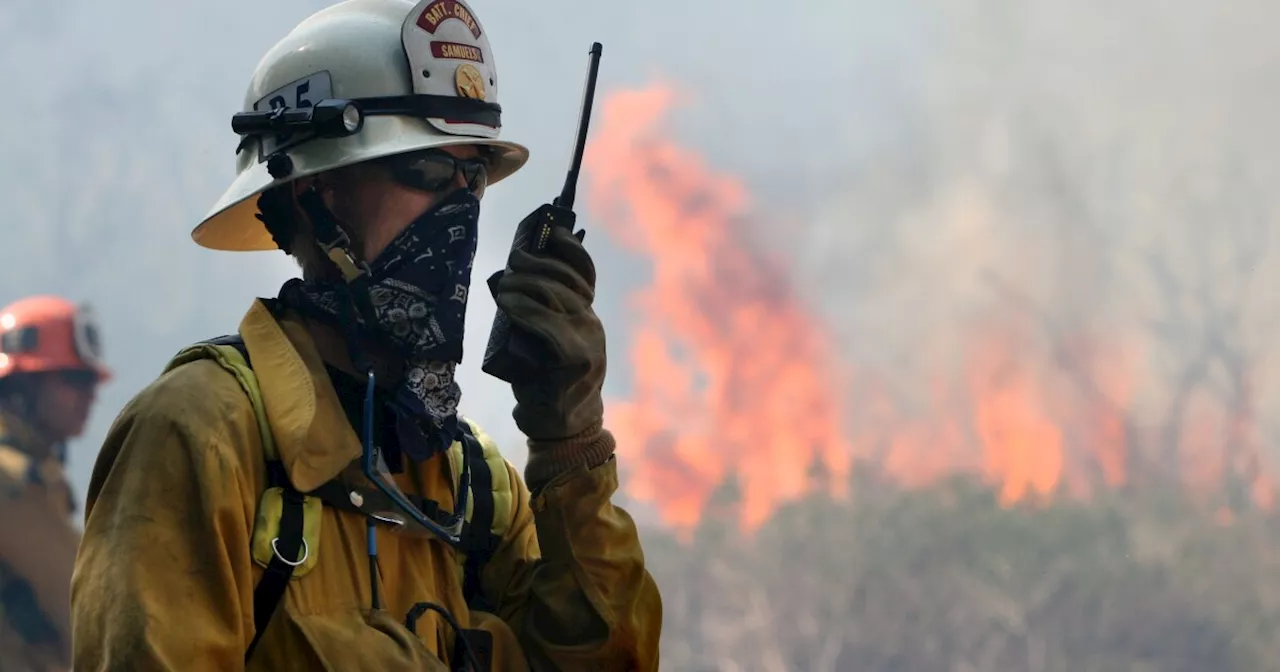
897, 153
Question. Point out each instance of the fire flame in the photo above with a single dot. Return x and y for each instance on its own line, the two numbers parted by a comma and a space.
734, 375
731, 374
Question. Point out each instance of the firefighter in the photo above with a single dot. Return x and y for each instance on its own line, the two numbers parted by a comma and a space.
303, 494
50, 369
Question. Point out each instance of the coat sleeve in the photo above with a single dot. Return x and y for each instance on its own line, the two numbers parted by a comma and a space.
570, 580
163, 579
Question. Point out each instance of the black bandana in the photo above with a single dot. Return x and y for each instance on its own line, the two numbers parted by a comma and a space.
418, 290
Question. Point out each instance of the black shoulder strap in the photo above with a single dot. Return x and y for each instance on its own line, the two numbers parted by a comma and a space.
478, 543
271, 587
289, 544
234, 340
478, 540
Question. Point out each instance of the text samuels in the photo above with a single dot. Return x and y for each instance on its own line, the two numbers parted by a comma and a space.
462, 52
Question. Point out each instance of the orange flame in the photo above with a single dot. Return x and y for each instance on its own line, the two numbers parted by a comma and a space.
734, 375
730, 373
1023, 446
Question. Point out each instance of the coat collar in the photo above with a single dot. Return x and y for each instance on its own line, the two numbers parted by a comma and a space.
313, 436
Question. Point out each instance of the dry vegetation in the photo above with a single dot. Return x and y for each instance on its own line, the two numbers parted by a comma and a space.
945, 579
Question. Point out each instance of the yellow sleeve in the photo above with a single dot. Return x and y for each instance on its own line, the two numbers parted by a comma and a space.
570, 580
163, 579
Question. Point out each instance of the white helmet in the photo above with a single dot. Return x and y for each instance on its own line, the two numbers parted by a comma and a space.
396, 77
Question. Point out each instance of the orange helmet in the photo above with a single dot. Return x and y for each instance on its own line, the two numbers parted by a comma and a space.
49, 333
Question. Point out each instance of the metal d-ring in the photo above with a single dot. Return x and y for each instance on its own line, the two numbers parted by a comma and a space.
306, 552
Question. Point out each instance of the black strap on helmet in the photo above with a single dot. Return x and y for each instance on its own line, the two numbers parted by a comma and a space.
340, 117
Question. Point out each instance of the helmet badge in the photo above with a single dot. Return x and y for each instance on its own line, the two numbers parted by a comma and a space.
469, 81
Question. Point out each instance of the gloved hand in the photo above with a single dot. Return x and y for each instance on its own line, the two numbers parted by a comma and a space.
548, 296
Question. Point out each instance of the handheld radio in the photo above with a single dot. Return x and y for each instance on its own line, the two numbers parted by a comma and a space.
511, 353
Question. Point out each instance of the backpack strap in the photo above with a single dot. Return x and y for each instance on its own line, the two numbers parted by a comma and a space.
231, 353
490, 509
270, 590
478, 540
491, 495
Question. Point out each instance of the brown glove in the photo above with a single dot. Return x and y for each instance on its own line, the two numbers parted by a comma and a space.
548, 296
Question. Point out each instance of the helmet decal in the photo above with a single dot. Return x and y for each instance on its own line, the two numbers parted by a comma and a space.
438, 34
469, 81
439, 11
456, 51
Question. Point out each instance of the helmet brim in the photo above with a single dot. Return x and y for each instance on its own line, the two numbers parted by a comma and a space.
232, 225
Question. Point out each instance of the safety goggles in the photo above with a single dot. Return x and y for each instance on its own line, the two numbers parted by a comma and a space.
435, 170
88, 342
20, 341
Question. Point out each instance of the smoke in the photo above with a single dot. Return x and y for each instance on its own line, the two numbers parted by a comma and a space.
915, 161
1102, 174
1038, 231
1091, 170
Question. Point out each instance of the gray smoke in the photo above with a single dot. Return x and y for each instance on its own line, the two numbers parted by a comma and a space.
1110, 161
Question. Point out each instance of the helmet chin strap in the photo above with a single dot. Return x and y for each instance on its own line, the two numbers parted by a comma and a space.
333, 240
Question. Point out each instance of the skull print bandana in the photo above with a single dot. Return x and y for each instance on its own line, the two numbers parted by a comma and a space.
418, 289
